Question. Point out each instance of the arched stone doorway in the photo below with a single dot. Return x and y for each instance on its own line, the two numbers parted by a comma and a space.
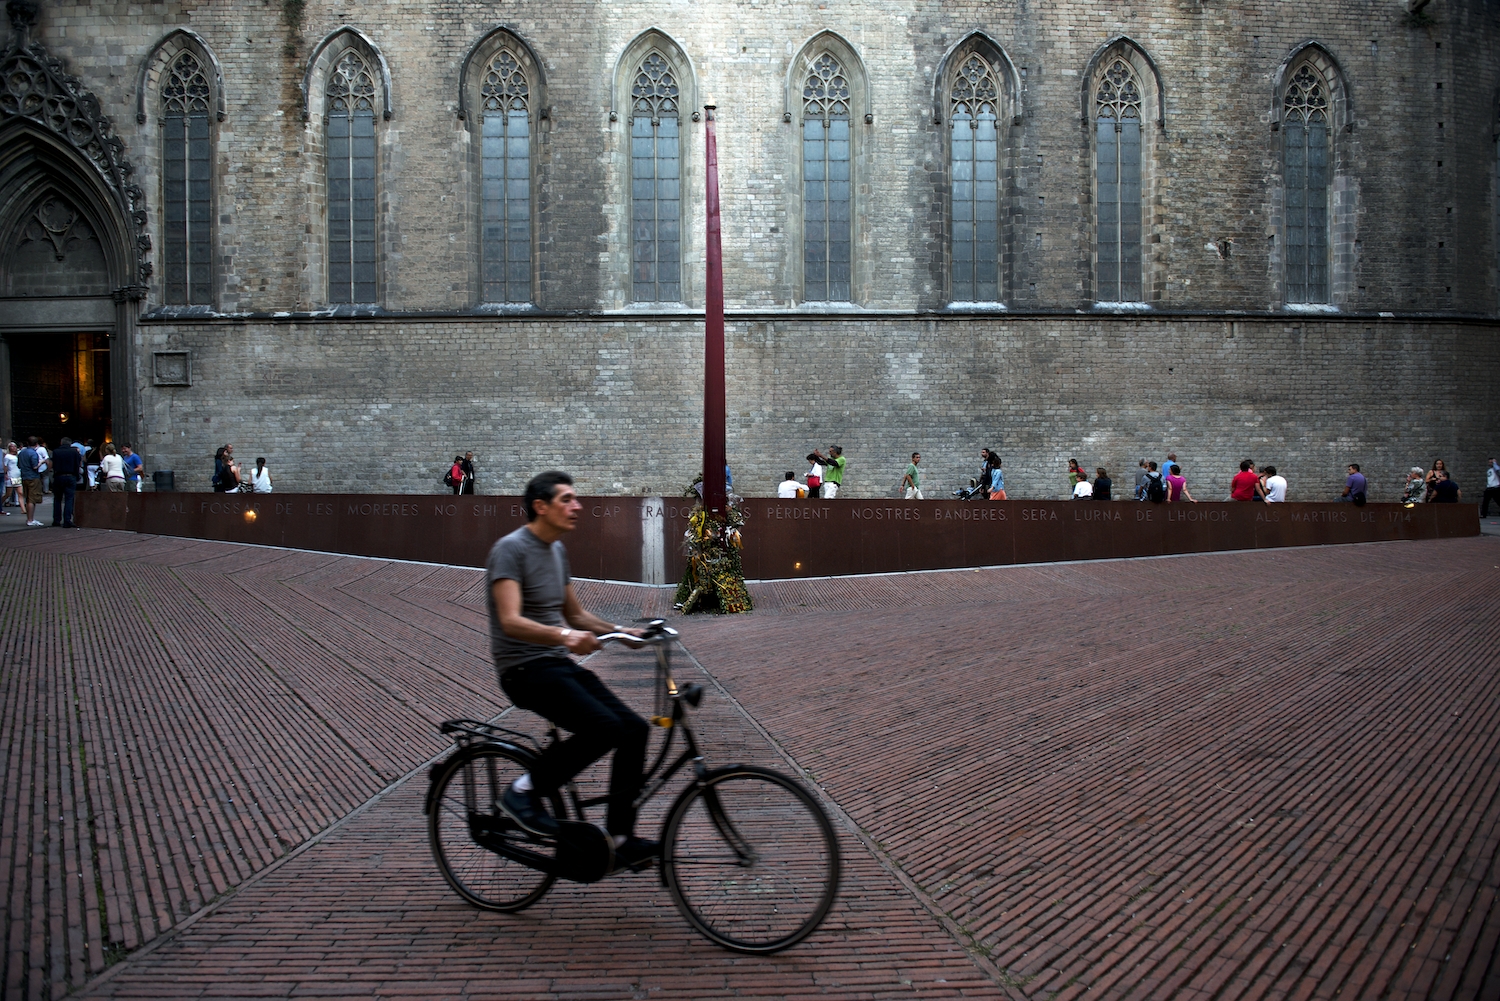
72, 253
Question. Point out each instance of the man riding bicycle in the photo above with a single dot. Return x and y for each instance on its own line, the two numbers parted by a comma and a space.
535, 622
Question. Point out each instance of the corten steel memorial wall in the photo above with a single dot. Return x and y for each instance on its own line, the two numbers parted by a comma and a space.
639, 538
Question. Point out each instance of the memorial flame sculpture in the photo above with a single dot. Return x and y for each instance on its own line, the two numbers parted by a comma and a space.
714, 578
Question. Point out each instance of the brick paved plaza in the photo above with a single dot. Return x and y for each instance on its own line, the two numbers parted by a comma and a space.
1257, 775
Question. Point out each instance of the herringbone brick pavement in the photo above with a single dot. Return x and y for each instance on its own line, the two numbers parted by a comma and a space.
1240, 775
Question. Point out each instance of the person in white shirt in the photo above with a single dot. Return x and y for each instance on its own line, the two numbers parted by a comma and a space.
1083, 489
10, 495
1491, 487
789, 488
260, 480
45, 466
112, 470
1275, 486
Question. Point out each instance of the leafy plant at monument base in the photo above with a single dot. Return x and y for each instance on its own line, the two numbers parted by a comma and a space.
714, 579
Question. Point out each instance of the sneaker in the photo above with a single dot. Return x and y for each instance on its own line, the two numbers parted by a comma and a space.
524, 809
33, 524
637, 854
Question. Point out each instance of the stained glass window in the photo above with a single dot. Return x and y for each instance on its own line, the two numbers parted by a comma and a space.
974, 157
655, 183
1305, 164
351, 181
187, 209
1117, 183
826, 194
505, 98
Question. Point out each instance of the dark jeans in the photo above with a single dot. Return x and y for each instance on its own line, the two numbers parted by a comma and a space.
1490, 494
64, 486
576, 700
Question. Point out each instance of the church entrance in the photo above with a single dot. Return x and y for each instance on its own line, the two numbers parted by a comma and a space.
59, 386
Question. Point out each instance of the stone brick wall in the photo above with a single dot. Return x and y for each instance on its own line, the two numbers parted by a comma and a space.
382, 405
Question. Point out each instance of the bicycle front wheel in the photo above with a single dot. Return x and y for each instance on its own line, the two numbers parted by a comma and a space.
480, 851
750, 859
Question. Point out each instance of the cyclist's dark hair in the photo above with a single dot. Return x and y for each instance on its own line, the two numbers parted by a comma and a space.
542, 487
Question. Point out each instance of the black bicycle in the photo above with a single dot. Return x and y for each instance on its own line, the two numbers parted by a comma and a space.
747, 853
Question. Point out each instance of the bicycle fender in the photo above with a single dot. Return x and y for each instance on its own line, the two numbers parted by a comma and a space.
436, 771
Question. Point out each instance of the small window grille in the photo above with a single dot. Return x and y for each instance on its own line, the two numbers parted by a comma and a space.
655, 183
826, 193
187, 210
351, 181
1305, 141
1117, 183
506, 158
974, 152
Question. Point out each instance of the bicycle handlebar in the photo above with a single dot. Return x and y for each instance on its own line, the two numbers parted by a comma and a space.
657, 634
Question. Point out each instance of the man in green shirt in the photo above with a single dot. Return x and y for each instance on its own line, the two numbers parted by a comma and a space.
833, 471
912, 481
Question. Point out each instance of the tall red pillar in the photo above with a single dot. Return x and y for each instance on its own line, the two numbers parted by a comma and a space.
714, 492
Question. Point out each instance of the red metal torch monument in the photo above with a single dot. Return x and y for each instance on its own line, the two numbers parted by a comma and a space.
714, 492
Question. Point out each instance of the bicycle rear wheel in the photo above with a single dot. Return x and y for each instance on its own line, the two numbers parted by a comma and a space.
750, 859
479, 850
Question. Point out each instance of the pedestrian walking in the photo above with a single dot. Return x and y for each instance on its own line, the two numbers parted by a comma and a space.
1143, 471
467, 465
91, 463
1491, 487
67, 473
11, 495
1166, 467
814, 475
1275, 486
1074, 474
260, 479
112, 470
912, 481
1177, 487
29, 463
833, 470
996, 478
1156, 484
135, 469
1102, 485
1354, 486
44, 458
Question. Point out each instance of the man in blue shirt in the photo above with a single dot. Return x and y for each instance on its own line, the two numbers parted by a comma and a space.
1354, 487
30, 464
134, 472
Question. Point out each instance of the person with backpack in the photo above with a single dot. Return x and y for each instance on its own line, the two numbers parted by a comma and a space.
1156, 487
454, 478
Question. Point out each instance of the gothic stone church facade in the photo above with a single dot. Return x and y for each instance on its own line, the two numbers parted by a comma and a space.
357, 238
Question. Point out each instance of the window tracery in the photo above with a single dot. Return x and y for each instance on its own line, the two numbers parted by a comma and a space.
973, 162
351, 181
1117, 183
1305, 161
656, 183
505, 97
826, 190
187, 172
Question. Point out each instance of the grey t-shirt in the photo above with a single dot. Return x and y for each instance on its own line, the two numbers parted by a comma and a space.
543, 573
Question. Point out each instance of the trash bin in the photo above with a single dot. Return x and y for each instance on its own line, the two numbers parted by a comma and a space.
162, 481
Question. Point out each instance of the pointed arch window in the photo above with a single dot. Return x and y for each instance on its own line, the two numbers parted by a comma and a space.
1117, 183
187, 210
655, 183
505, 96
351, 181
1305, 141
826, 189
974, 154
